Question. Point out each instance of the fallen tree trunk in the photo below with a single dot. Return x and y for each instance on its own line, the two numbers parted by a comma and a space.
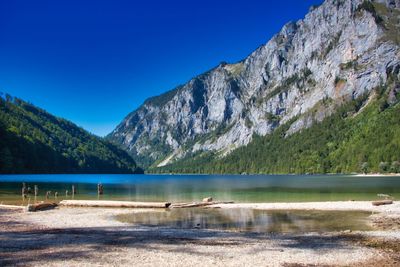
198, 204
382, 202
11, 206
40, 206
113, 204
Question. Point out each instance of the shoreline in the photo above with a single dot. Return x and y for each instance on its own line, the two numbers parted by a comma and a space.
375, 174
92, 236
349, 205
323, 206
199, 174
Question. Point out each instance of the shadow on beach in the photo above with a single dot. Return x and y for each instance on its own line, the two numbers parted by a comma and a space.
26, 247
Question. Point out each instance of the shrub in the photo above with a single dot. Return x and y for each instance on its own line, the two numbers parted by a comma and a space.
383, 166
395, 167
339, 80
365, 167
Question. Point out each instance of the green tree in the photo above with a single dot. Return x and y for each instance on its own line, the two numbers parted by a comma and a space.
383, 167
395, 167
6, 160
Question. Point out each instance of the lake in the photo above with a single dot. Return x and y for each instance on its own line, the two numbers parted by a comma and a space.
181, 188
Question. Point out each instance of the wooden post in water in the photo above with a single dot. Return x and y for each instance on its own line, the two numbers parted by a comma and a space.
73, 191
48, 194
36, 189
56, 195
24, 191
66, 193
100, 189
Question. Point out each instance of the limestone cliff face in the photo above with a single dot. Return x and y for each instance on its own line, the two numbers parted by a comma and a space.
339, 51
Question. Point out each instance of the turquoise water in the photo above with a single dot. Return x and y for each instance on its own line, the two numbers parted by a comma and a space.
182, 188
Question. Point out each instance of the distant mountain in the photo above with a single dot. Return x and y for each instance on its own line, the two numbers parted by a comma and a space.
343, 52
34, 141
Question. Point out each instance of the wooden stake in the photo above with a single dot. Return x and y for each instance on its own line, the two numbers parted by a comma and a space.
36, 190
24, 190
100, 189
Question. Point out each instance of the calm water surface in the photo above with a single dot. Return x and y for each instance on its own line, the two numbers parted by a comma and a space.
249, 220
180, 188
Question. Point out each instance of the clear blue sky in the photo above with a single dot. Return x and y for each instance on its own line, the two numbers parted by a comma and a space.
93, 62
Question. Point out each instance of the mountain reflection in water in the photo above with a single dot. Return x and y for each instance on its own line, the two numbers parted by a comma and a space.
250, 220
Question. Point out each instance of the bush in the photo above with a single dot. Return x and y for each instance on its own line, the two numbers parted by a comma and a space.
384, 167
365, 167
395, 167
339, 80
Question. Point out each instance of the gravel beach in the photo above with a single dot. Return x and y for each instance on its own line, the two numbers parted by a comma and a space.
93, 237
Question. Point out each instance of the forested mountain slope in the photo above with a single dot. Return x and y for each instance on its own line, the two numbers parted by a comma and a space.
34, 141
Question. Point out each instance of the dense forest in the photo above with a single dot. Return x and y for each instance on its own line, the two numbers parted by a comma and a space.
34, 141
363, 135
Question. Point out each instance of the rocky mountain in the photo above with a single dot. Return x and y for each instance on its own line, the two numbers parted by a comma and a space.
342, 50
34, 141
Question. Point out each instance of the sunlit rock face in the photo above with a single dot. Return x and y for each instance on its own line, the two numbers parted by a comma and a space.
341, 50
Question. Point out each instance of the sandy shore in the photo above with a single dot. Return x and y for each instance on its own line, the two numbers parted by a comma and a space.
376, 174
92, 237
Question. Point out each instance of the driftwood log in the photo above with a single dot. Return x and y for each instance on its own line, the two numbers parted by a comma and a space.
207, 199
40, 206
382, 202
113, 204
198, 204
11, 206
